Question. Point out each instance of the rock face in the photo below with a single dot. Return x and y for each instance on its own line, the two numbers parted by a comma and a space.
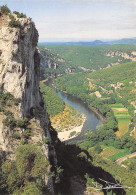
48, 61
19, 63
122, 54
20, 75
52, 61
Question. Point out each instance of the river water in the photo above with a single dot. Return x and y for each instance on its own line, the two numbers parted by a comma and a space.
92, 119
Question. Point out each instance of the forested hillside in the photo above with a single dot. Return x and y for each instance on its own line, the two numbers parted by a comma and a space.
110, 91
90, 58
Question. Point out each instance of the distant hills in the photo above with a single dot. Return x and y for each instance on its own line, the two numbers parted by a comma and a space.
130, 41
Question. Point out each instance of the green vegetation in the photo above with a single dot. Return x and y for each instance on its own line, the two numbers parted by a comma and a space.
54, 65
123, 118
46, 140
120, 78
5, 10
110, 151
19, 15
72, 133
54, 103
77, 85
131, 164
67, 119
119, 155
116, 86
13, 22
98, 149
24, 175
91, 57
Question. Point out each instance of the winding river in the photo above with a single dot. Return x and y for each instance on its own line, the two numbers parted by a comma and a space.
92, 121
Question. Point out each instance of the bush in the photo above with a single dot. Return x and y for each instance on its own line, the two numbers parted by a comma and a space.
39, 143
46, 140
22, 123
19, 15
14, 23
16, 136
9, 122
8, 113
1, 109
23, 142
5, 10
16, 101
72, 133
98, 149
26, 133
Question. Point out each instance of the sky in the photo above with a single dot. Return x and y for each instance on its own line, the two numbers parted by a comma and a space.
79, 20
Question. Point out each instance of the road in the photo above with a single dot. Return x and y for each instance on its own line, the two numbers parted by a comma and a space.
120, 160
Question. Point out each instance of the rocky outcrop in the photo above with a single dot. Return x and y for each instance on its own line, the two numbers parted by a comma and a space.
122, 54
54, 62
19, 67
49, 60
20, 75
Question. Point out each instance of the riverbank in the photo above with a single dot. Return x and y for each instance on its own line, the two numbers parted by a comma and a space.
97, 112
103, 119
65, 135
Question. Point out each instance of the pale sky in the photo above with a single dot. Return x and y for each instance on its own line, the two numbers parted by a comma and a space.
79, 20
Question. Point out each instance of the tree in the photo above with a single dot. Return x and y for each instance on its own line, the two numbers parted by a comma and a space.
98, 149
5, 9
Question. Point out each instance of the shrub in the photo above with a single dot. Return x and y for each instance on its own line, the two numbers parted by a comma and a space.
8, 113
72, 133
17, 101
14, 23
9, 122
98, 149
16, 136
46, 140
39, 143
5, 10
26, 133
30, 162
1, 109
22, 122
19, 15
23, 142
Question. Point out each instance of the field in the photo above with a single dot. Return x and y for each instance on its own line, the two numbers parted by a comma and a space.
131, 163
112, 153
123, 118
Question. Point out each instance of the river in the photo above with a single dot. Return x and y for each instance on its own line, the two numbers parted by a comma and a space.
92, 121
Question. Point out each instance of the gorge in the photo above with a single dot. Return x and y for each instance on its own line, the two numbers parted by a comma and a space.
32, 158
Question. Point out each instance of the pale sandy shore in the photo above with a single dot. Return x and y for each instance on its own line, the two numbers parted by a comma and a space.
64, 135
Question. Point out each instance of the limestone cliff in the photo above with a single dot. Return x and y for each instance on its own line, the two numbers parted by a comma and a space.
53, 64
19, 75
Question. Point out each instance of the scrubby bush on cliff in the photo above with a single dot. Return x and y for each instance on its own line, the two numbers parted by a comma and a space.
16, 136
22, 122
9, 121
5, 10
14, 23
19, 15
29, 166
46, 140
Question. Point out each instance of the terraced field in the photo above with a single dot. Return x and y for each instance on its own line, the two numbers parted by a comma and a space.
123, 118
131, 163
112, 153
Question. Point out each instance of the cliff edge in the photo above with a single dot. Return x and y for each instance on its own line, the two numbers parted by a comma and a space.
20, 75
